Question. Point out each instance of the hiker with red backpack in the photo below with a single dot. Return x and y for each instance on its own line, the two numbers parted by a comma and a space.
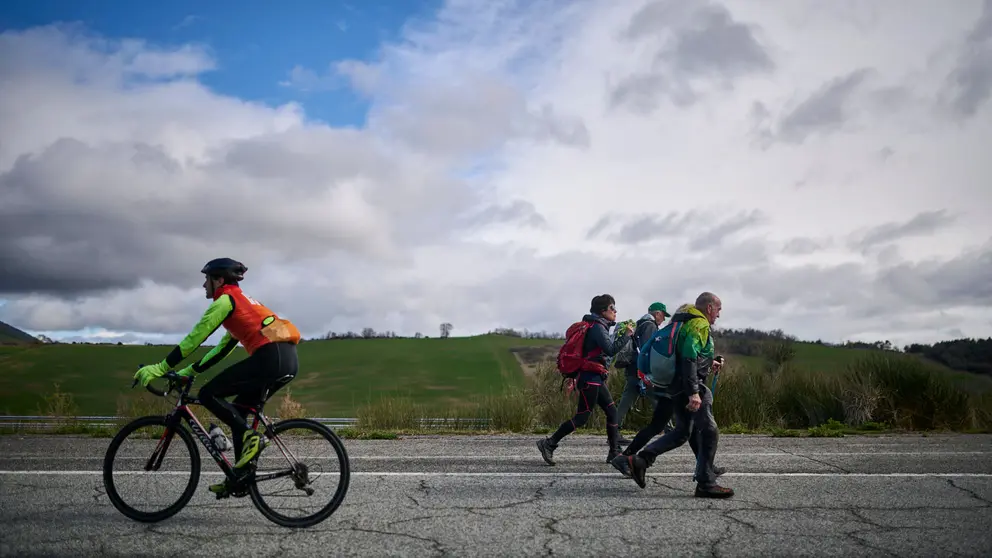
583, 359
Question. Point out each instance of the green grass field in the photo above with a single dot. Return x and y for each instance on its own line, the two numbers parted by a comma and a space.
443, 376
335, 378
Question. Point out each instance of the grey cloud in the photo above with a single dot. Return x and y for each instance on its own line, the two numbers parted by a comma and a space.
716, 234
600, 226
159, 187
969, 85
525, 290
519, 211
801, 246
139, 310
655, 17
306, 80
102, 60
639, 228
642, 93
691, 225
717, 44
696, 40
361, 77
131, 215
921, 224
826, 110
835, 105
473, 116
960, 281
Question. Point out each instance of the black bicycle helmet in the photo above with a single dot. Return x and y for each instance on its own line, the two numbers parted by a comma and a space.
225, 268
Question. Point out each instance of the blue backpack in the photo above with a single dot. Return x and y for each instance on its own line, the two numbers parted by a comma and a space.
656, 358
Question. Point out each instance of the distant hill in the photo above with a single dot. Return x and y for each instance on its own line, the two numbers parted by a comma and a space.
10, 335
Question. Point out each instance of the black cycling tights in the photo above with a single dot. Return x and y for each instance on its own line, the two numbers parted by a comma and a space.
592, 393
247, 380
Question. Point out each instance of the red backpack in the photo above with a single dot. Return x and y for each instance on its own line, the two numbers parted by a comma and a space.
571, 361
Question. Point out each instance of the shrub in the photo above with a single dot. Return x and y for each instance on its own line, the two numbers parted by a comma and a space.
289, 407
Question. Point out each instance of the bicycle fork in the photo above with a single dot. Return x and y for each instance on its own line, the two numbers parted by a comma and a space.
154, 462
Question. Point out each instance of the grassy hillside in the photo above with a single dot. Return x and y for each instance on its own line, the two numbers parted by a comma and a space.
11, 335
339, 377
335, 378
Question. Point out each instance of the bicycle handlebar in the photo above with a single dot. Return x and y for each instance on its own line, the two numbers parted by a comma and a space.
174, 381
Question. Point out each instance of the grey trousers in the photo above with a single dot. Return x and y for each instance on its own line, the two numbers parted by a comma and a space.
701, 424
631, 391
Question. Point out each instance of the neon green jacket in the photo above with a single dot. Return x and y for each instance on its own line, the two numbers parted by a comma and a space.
694, 350
213, 317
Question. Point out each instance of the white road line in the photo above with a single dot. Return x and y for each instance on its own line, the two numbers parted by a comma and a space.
597, 456
517, 474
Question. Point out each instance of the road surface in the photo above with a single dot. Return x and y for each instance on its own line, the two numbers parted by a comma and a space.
494, 496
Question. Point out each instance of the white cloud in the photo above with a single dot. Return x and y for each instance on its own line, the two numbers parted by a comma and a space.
520, 158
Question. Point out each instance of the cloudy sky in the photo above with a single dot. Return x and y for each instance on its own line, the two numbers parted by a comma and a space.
823, 166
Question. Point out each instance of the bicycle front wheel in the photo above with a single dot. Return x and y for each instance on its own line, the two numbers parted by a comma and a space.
148, 476
303, 459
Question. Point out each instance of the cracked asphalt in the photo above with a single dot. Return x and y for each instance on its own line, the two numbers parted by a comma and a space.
906, 495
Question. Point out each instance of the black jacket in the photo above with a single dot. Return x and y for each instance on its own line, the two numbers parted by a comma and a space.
598, 336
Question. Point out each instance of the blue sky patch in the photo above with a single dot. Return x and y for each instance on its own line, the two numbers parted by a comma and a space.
255, 44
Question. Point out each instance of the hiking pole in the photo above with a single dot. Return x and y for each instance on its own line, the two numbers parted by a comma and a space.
715, 376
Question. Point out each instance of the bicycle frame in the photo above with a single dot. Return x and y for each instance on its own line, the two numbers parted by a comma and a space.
182, 412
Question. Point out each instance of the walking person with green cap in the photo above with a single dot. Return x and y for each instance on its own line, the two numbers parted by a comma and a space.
645, 328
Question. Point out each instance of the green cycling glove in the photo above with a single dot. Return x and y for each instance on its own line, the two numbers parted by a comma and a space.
187, 372
148, 373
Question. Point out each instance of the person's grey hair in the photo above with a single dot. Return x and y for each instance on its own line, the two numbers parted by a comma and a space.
705, 298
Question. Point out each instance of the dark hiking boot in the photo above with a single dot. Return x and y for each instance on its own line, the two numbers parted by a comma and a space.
713, 491
622, 463
612, 454
638, 470
717, 471
547, 450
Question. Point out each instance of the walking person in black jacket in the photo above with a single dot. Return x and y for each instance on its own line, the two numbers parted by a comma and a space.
591, 381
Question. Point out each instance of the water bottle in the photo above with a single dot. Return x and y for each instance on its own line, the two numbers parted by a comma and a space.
219, 439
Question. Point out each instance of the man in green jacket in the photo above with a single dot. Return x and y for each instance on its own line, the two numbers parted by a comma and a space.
691, 400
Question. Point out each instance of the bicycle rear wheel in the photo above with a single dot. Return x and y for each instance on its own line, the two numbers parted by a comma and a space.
139, 458
298, 451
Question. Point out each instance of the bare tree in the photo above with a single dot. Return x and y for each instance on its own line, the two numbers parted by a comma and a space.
446, 330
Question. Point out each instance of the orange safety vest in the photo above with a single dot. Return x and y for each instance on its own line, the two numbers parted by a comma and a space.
253, 324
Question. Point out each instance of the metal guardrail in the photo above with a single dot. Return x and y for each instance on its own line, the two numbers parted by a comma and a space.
42, 422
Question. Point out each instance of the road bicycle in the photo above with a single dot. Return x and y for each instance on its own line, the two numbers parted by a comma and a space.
239, 484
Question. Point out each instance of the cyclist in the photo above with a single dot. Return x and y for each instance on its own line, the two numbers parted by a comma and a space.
269, 340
